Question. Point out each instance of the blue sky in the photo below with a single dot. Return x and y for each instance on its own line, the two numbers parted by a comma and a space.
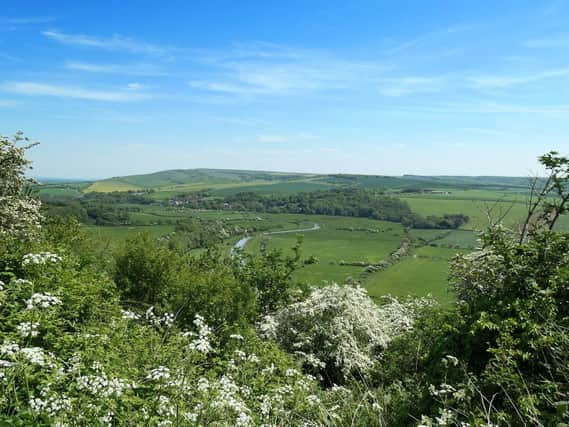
441, 87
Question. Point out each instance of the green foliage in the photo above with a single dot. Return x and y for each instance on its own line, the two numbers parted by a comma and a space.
337, 202
144, 269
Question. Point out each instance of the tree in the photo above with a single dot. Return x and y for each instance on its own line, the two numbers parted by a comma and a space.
549, 197
19, 212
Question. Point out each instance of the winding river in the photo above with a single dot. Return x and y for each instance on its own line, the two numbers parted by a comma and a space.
240, 245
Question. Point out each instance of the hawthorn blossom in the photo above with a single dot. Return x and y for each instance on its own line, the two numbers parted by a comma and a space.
338, 326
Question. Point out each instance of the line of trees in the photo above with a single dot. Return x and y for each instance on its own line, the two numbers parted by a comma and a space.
337, 202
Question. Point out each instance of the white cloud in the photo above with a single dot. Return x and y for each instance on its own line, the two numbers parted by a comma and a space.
400, 86
126, 69
41, 89
484, 131
272, 138
505, 81
134, 86
116, 42
268, 69
302, 136
556, 41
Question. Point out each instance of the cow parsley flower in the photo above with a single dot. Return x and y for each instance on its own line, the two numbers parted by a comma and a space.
9, 348
159, 373
50, 405
100, 385
201, 343
41, 258
42, 301
34, 355
129, 315
28, 329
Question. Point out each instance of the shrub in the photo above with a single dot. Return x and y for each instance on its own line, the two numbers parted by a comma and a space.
338, 331
19, 214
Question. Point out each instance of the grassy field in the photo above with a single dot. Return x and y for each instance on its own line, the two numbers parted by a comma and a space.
344, 246
477, 210
339, 240
421, 274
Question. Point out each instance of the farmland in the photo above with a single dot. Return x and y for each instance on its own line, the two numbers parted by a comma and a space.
341, 248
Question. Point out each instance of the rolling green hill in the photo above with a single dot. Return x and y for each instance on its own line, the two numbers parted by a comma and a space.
231, 181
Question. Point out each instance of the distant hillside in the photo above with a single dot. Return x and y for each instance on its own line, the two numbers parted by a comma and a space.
194, 179
228, 181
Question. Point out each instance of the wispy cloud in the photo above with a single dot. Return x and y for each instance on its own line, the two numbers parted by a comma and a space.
7, 102
302, 136
493, 108
115, 43
485, 131
504, 81
125, 69
272, 138
268, 69
41, 89
400, 86
555, 41
427, 38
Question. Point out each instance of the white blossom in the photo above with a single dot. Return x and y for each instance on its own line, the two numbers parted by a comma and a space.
338, 325
41, 258
159, 373
9, 348
34, 355
28, 329
129, 315
201, 343
39, 300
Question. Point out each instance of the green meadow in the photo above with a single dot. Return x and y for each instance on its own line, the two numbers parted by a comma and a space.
343, 247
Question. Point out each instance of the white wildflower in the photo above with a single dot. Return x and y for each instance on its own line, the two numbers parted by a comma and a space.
129, 315
100, 385
165, 407
39, 300
9, 348
291, 372
52, 405
159, 373
41, 258
28, 329
201, 343
313, 400
203, 384
34, 355
107, 419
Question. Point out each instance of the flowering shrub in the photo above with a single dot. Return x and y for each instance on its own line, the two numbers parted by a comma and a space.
338, 330
19, 215
119, 367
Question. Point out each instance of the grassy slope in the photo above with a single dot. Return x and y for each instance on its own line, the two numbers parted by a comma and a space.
221, 179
